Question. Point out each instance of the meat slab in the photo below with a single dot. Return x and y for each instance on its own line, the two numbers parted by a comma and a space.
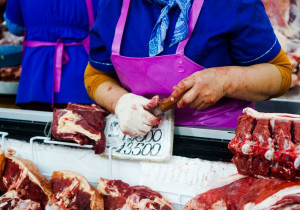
23, 177
245, 192
11, 201
10, 73
267, 144
72, 191
118, 195
83, 124
285, 19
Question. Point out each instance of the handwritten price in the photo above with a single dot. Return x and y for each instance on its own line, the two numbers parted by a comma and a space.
156, 145
139, 149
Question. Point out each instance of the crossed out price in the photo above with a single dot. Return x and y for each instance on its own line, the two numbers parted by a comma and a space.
149, 144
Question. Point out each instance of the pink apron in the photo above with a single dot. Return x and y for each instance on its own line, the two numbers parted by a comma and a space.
157, 75
61, 57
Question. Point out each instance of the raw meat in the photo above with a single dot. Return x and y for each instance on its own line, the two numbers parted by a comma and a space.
267, 144
10, 73
10, 39
23, 177
285, 19
12, 201
245, 192
72, 191
120, 196
83, 124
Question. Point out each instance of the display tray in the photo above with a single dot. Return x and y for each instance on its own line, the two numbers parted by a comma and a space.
8, 88
10, 55
198, 146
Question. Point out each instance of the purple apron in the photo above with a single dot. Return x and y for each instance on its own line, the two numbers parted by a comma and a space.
61, 57
157, 75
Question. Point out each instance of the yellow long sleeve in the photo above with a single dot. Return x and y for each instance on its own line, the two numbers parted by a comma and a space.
282, 62
93, 78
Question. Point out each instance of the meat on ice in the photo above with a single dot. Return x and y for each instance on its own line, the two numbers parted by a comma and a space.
119, 195
23, 177
248, 193
72, 191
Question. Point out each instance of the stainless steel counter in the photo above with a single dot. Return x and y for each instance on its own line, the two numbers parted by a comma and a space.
288, 103
292, 95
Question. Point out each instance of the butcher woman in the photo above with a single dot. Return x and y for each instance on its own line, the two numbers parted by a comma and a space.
55, 50
223, 55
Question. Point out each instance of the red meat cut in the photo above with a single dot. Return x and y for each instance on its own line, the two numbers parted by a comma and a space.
267, 144
83, 124
10, 73
245, 192
285, 19
11, 200
72, 191
119, 195
23, 176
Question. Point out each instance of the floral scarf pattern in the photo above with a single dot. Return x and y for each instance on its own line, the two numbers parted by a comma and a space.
156, 43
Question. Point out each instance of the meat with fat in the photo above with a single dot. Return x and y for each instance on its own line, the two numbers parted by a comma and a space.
11, 201
72, 191
83, 124
23, 176
267, 144
285, 19
118, 195
245, 192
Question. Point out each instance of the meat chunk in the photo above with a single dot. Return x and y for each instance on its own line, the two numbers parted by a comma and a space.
285, 19
11, 200
23, 176
246, 192
269, 146
72, 191
83, 124
10, 73
119, 195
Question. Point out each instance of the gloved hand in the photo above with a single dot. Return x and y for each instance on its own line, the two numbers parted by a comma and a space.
134, 117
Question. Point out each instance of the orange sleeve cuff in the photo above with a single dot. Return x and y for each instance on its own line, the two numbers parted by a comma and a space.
93, 78
282, 62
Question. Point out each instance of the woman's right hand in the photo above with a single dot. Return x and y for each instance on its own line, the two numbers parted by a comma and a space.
134, 116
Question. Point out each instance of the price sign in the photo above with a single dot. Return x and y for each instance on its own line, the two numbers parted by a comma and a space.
157, 145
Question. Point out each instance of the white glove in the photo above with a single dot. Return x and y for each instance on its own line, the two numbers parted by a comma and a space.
134, 119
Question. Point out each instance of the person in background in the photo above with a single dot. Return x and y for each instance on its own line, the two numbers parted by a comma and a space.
55, 50
2, 9
285, 19
221, 55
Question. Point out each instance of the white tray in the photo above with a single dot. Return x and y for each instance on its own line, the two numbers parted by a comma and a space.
8, 88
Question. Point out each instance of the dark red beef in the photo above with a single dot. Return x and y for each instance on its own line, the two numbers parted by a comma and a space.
237, 191
11, 74
10, 175
262, 132
268, 147
77, 199
282, 134
11, 201
91, 119
118, 194
12, 180
296, 132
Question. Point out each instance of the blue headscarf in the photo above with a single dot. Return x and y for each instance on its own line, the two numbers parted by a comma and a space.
156, 44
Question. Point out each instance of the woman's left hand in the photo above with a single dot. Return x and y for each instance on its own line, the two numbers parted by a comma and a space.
204, 88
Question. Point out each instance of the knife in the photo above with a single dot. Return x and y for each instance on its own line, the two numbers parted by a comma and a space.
166, 104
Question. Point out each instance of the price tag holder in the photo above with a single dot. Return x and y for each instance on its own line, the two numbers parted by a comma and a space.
157, 145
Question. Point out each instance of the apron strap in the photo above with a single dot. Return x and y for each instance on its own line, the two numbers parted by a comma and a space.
195, 12
86, 41
90, 11
120, 28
